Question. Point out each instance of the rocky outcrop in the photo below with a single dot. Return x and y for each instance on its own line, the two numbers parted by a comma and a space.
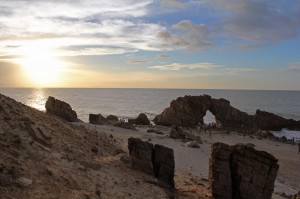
61, 109
97, 119
240, 171
178, 133
188, 111
157, 160
125, 125
270, 121
112, 118
142, 119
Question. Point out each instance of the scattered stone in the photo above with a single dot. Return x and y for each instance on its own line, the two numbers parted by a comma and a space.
5, 180
61, 109
178, 133
152, 130
192, 144
94, 150
24, 182
240, 171
142, 119
125, 125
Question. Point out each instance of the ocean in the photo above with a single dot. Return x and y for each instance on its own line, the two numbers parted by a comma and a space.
128, 103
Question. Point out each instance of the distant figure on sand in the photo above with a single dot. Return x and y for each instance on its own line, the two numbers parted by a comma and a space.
298, 147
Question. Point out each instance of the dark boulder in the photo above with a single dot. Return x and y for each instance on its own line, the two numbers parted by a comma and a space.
97, 119
125, 125
240, 171
112, 118
142, 119
178, 133
157, 160
61, 109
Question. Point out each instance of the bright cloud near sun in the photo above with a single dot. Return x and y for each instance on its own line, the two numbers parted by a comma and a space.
48, 38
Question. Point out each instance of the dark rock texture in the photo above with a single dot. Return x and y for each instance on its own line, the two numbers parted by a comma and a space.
97, 119
142, 119
272, 122
112, 118
157, 160
61, 109
241, 172
178, 133
188, 111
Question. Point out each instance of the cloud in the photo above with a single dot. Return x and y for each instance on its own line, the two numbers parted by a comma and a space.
173, 3
293, 67
178, 66
258, 22
191, 36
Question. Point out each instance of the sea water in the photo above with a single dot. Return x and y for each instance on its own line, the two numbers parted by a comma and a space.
128, 103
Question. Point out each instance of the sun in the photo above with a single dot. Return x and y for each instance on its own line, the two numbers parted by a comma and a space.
41, 65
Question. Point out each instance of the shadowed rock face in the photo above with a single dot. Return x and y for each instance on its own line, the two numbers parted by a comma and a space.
188, 111
61, 109
157, 160
240, 171
142, 119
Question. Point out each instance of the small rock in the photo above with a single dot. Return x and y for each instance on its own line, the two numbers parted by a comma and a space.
94, 150
24, 182
193, 144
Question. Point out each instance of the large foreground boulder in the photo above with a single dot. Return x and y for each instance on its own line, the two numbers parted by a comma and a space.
157, 160
240, 171
61, 109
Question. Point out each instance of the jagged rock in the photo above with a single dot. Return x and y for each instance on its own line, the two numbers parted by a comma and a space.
142, 119
164, 164
178, 133
272, 122
188, 111
61, 109
97, 119
125, 125
141, 153
157, 160
240, 171
112, 118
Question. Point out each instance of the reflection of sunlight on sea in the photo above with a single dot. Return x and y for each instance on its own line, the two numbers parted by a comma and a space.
37, 99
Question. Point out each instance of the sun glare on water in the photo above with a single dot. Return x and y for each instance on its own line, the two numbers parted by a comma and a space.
41, 66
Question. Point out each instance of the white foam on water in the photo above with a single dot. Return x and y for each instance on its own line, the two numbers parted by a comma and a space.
288, 134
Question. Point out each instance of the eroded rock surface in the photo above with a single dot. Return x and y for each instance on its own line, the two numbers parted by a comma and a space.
188, 111
156, 160
61, 109
142, 119
241, 172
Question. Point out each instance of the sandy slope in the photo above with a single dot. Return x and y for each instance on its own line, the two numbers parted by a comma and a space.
195, 161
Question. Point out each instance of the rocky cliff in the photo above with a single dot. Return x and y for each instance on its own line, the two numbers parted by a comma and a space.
188, 111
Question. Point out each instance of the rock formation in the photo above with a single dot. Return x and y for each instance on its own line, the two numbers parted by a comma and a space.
142, 119
178, 133
241, 172
157, 160
270, 121
97, 119
61, 109
101, 120
188, 111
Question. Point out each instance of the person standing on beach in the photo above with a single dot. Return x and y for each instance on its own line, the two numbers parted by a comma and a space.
298, 147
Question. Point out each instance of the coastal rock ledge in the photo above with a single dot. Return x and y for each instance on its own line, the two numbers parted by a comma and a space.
61, 109
240, 171
189, 111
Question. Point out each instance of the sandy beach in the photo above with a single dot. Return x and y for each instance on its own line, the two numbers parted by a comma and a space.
194, 161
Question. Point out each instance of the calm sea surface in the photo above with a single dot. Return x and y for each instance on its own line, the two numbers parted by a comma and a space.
128, 103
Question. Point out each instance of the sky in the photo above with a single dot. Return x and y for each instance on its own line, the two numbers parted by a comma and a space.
198, 44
